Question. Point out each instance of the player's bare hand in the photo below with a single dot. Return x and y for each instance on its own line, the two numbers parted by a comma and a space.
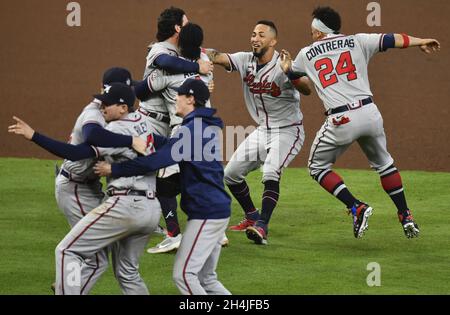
211, 86
205, 67
286, 61
430, 45
139, 145
102, 168
21, 128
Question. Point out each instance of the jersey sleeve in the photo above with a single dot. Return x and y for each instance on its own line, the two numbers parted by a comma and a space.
157, 81
239, 61
155, 51
370, 44
298, 65
93, 116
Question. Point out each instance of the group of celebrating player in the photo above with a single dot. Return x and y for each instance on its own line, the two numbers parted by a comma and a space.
144, 177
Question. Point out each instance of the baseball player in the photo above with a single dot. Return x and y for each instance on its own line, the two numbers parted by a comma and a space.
164, 55
163, 83
337, 65
273, 101
126, 218
77, 188
200, 171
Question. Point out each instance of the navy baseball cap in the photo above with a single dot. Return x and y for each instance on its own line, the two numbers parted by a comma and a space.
117, 93
196, 88
116, 74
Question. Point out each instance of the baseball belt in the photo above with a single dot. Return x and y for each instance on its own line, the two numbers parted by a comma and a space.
131, 192
348, 107
70, 177
155, 115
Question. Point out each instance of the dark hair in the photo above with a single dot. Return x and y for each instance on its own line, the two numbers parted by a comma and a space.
270, 24
167, 21
329, 17
190, 41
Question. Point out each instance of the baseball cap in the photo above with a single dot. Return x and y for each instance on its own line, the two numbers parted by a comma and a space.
117, 93
196, 88
117, 74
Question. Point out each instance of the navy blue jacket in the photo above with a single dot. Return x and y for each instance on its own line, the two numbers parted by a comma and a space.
196, 148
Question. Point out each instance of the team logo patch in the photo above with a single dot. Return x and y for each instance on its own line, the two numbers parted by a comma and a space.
264, 87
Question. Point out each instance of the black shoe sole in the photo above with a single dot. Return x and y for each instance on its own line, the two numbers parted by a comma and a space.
253, 235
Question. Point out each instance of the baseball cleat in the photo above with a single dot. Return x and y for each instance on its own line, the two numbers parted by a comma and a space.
225, 241
242, 226
410, 227
257, 234
167, 245
361, 213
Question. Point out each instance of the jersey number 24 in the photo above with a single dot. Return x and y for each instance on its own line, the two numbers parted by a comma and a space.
344, 66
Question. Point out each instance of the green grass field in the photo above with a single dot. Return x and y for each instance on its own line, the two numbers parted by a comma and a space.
311, 245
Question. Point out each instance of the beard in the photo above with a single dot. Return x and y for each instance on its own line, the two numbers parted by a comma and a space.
261, 53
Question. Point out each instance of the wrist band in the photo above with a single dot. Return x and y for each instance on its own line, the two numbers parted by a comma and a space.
405, 41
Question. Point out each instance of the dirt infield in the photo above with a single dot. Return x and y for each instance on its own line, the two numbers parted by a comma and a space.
49, 70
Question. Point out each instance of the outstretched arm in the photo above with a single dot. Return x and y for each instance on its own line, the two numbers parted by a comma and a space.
61, 149
218, 58
174, 64
427, 45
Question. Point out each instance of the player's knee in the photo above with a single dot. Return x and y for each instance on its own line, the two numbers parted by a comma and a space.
314, 172
168, 186
386, 167
59, 250
271, 176
231, 176
127, 275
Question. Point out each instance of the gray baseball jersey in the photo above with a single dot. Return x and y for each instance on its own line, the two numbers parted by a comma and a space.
337, 65
124, 221
274, 103
82, 170
270, 96
83, 192
156, 103
160, 80
135, 125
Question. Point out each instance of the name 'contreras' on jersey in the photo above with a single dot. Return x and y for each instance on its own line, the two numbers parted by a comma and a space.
156, 103
160, 80
91, 114
271, 98
134, 125
337, 65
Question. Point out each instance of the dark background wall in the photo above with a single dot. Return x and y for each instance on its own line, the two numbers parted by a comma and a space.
48, 71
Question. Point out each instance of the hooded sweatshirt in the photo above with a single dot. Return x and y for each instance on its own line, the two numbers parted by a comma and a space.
196, 148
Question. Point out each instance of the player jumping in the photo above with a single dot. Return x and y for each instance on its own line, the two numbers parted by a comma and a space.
273, 100
337, 65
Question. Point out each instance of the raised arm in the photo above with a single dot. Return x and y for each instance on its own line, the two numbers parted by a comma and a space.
218, 58
301, 82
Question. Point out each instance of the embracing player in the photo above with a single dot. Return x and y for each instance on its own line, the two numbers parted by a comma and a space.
165, 84
124, 220
337, 65
164, 55
203, 195
273, 100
